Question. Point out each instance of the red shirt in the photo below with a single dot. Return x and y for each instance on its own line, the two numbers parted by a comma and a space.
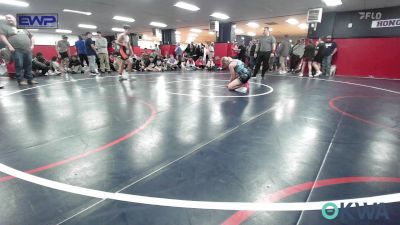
199, 62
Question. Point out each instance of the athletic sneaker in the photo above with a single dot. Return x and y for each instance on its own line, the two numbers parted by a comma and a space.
22, 83
310, 75
31, 82
318, 74
93, 73
301, 74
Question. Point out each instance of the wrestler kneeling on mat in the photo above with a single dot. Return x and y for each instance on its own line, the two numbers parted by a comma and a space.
240, 75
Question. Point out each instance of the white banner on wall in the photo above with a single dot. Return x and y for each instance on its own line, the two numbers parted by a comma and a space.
385, 23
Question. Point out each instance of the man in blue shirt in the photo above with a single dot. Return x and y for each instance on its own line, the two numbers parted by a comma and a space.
91, 52
81, 50
330, 51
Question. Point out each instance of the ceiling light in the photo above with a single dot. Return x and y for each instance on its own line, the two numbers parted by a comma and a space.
190, 40
94, 33
177, 32
193, 35
2, 17
253, 24
33, 30
158, 24
122, 18
251, 34
87, 26
116, 29
64, 31
239, 31
292, 21
220, 16
211, 33
303, 26
14, 3
187, 6
333, 2
196, 30
78, 12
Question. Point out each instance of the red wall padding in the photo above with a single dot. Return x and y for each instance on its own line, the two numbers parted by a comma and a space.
170, 49
376, 57
136, 50
221, 49
139, 51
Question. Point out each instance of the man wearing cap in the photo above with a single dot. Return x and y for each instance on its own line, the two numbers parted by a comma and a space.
330, 51
264, 50
20, 43
63, 53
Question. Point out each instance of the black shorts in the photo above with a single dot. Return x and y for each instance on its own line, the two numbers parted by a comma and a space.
318, 59
64, 55
244, 75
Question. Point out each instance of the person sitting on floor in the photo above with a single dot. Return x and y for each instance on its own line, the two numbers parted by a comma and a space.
75, 65
160, 66
40, 65
172, 63
200, 63
151, 67
190, 64
210, 66
54, 66
135, 62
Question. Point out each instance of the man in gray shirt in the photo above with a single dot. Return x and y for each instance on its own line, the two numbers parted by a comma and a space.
63, 52
20, 44
101, 45
284, 51
264, 50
